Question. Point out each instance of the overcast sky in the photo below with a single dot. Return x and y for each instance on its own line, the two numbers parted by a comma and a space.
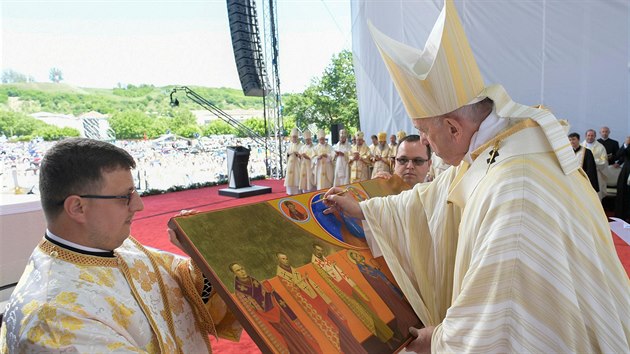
103, 43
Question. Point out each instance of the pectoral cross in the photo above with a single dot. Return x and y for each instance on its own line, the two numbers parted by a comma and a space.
493, 154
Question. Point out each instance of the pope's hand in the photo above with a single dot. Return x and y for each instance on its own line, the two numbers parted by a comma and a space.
337, 199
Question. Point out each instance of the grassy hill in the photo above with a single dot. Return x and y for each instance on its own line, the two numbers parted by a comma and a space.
68, 99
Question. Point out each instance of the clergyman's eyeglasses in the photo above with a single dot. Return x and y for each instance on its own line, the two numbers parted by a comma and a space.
128, 196
418, 161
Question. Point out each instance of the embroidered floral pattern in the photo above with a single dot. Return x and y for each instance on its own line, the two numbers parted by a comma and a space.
141, 273
120, 312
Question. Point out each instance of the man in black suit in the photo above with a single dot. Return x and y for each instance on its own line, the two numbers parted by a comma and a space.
611, 145
585, 156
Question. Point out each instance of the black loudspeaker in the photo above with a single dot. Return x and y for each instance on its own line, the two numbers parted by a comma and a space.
237, 159
247, 48
334, 132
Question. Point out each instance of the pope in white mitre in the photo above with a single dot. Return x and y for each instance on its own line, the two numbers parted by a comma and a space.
509, 250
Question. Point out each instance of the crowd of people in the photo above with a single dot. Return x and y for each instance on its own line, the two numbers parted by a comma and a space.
160, 164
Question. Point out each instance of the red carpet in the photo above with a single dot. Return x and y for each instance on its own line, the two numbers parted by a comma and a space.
149, 227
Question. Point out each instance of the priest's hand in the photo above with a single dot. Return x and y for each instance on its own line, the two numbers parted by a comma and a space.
383, 175
171, 233
337, 199
422, 341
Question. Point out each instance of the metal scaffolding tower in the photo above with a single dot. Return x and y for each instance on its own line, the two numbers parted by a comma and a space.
272, 101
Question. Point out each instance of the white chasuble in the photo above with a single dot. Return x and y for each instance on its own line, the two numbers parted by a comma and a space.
307, 179
322, 166
381, 156
359, 163
507, 254
292, 174
342, 168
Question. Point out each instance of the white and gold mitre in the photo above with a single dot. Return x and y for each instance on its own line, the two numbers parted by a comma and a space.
444, 77
439, 79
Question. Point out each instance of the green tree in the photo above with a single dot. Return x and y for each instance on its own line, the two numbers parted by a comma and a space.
133, 124
188, 131
255, 124
51, 133
288, 125
158, 127
18, 124
217, 127
182, 117
11, 76
133, 91
55, 75
329, 99
336, 98
301, 107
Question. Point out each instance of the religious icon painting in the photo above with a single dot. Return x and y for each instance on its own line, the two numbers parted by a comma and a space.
295, 286
337, 224
293, 210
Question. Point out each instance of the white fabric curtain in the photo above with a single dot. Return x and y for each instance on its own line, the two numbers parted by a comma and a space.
570, 55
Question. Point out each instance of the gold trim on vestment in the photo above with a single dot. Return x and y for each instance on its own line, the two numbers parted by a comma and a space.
526, 123
69, 256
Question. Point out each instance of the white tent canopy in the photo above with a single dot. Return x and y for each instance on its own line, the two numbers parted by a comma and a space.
571, 56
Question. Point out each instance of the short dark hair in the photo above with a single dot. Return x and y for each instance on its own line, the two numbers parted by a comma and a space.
412, 138
574, 135
76, 166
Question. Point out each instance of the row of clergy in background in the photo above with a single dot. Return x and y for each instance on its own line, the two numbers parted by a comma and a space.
313, 166
602, 159
318, 166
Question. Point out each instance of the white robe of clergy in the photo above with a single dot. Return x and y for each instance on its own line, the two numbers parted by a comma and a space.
380, 156
359, 168
601, 160
342, 168
307, 179
292, 175
507, 253
136, 300
393, 151
437, 167
322, 166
